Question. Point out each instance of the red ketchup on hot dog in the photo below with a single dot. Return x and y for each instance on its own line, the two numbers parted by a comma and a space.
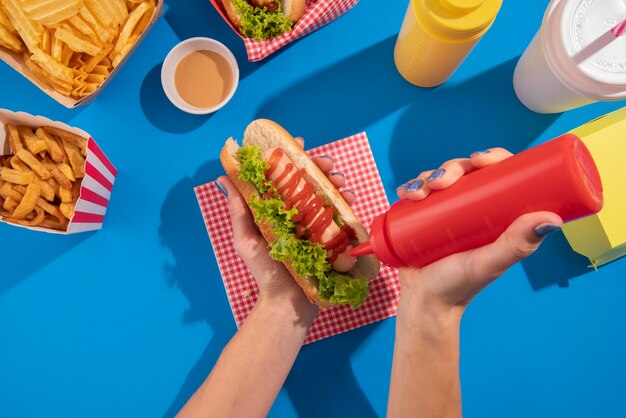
270, 5
314, 219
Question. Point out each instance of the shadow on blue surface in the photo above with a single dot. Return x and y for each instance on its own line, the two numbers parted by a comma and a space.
182, 232
160, 111
203, 21
44, 105
363, 89
478, 113
322, 382
555, 263
24, 263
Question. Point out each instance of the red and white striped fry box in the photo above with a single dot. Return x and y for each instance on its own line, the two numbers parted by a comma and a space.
354, 158
318, 13
96, 186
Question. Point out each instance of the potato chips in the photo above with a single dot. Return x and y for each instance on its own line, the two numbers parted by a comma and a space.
40, 182
73, 45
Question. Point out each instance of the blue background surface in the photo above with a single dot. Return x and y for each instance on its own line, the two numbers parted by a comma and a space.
128, 321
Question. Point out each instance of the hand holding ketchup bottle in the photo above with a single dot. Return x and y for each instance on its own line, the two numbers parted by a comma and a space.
558, 176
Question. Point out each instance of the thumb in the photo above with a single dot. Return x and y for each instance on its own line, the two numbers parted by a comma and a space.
521, 239
242, 222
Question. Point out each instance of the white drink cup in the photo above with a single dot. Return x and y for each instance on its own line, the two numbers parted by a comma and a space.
574, 59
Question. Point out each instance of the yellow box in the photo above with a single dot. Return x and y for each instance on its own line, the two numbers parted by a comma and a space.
602, 237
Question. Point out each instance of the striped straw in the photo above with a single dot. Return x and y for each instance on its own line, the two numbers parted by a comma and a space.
619, 29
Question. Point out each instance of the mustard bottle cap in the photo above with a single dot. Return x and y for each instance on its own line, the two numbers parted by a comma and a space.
461, 5
457, 19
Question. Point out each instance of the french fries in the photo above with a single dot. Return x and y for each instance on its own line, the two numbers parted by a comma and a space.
10, 204
58, 175
14, 138
40, 181
16, 177
78, 141
34, 144
35, 165
54, 147
73, 45
77, 162
28, 203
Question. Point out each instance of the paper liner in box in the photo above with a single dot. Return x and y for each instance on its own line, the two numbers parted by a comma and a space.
318, 13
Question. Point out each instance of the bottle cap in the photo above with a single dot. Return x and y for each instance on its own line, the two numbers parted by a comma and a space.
457, 19
461, 5
379, 244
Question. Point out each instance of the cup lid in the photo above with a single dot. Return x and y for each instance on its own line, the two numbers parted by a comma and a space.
585, 29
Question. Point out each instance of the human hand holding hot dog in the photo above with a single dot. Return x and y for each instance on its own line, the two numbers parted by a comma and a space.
425, 374
272, 278
306, 223
254, 365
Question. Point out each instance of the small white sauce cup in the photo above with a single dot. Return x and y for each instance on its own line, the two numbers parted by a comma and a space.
176, 55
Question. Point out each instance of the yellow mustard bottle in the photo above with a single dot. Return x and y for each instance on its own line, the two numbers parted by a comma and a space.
437, 35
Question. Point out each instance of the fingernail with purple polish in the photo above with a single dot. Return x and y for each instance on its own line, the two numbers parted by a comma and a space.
415, 186
327, 157
221, 188
545, 229
337, 173
437, 174
406, 185
349, 191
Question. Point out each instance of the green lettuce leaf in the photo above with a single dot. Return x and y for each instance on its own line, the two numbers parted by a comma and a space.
260, 24
344, 289
253, 167
273, 211
307, 259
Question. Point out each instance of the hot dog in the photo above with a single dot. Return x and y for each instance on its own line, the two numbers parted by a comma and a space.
264, 19
296, 191
270, 5
306, 222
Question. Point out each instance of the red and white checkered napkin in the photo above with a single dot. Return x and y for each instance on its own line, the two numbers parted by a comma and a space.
318, 13
354, 158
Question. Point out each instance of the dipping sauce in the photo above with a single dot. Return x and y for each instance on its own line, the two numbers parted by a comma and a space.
203, 79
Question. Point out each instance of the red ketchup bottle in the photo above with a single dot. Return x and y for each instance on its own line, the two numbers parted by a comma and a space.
559, 176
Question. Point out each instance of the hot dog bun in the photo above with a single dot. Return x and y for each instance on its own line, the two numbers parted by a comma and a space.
267, 134
293, 9
232, 13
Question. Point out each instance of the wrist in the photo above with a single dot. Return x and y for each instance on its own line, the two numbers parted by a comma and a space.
421, 316
295, 309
